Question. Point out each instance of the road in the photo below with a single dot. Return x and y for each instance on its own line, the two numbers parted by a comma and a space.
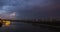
25, 27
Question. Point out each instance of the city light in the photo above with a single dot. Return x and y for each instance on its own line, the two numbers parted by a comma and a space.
6, 23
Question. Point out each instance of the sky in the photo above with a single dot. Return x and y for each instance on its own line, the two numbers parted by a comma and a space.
29, 9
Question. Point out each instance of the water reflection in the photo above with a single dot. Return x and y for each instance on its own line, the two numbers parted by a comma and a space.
24, 27
6, 23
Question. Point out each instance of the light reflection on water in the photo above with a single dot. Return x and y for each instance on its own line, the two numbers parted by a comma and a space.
23, 27
6, 23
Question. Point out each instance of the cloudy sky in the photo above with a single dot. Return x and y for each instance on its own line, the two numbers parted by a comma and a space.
29, 9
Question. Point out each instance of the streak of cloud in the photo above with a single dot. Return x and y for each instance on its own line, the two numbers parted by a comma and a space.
8, 16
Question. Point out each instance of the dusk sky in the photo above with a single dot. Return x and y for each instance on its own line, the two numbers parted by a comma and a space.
29, 9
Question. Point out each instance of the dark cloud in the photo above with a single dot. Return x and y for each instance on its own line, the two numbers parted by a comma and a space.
28, 9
